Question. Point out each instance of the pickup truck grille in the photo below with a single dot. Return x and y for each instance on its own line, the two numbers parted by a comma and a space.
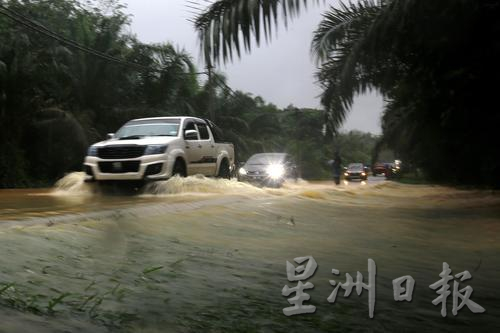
119, 167
119, 152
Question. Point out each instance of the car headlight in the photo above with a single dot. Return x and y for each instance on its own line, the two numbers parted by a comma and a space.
242, 171
346, 174
155, 149
275, 171
92, 151
363, 174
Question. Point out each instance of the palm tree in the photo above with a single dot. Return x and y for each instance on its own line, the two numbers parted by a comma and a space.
339, 42
424, 56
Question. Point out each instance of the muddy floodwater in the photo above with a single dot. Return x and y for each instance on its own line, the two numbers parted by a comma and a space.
207, 255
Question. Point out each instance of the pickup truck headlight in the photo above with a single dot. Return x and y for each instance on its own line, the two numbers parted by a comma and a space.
155, 149
275, 171
242, 171
92, 151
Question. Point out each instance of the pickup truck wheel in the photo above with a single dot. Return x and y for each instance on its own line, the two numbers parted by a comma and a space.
179, 169
224, 171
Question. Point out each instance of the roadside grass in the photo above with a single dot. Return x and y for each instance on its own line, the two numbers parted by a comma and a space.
89, 302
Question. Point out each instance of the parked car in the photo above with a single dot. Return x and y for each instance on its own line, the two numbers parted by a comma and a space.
151, 149
356, 171
268, 169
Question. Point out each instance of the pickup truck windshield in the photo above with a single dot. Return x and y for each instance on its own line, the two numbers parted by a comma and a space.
151, 129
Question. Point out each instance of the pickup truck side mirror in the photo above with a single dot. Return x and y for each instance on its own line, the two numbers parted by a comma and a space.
110, 136
190, 135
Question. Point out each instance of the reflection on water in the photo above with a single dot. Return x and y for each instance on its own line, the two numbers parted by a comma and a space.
69, 195
22, 204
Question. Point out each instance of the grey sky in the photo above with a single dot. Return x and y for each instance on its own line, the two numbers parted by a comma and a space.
282, 72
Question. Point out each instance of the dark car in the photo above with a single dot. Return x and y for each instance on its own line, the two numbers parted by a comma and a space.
356, 171
379, 169
268, 169
393, 170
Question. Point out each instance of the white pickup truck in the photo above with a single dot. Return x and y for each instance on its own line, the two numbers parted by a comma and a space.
159, 148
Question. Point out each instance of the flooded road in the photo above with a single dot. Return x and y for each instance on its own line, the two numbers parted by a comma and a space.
72, 196
198, 254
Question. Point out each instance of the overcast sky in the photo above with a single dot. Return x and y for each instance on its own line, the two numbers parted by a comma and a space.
282, 72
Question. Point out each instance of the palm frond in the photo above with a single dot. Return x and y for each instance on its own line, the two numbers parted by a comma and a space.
220, 26
343, 45
342, 25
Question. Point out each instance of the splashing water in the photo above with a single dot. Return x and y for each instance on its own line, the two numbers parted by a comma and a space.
199, 184
73, 184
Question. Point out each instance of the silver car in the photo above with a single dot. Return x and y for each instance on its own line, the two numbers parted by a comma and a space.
268, 169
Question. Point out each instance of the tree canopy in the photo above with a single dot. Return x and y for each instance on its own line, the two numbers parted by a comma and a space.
430, 60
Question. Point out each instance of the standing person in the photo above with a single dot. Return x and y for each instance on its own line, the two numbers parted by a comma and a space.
337, 166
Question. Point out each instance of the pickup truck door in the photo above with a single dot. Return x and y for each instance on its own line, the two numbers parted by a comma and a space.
208, 161
193, 150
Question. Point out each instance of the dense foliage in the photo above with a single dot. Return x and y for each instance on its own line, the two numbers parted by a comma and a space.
427, 59
55, 99
430, 59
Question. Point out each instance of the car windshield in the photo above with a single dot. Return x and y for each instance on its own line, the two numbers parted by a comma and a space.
138, 129
355, 167
272, 158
